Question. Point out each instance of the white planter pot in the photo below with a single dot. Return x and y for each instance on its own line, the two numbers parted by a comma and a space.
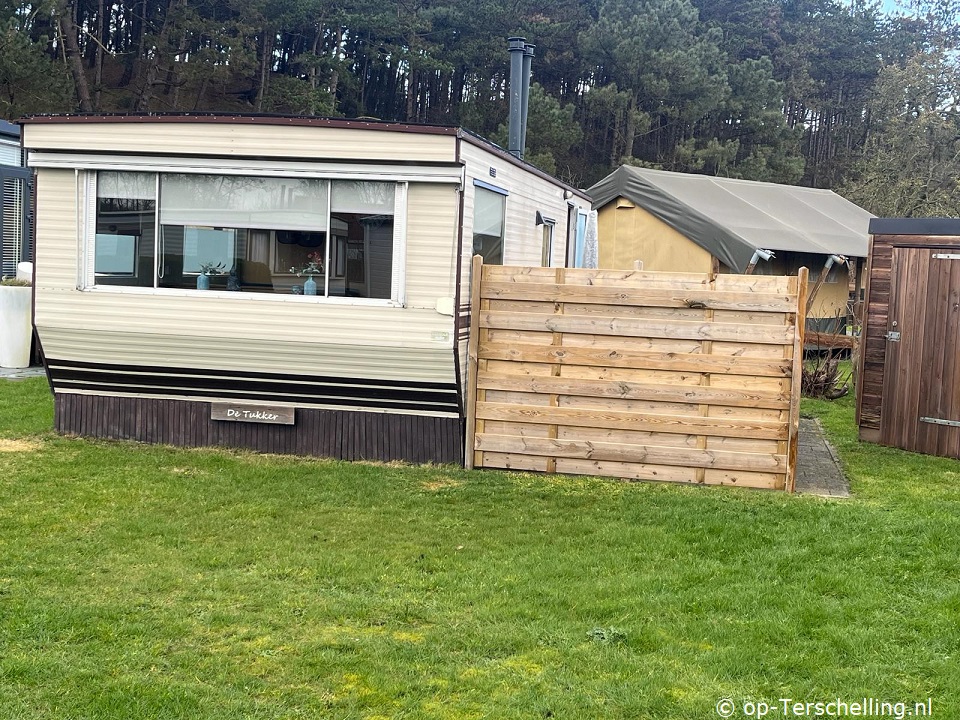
15, 327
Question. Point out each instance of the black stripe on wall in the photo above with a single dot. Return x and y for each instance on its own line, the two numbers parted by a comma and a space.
259, 387
337, 434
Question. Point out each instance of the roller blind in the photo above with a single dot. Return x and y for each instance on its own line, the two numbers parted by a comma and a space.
488, 213
126, 185
375, 198
244, 202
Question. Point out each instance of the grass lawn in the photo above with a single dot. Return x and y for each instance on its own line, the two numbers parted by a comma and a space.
152, 582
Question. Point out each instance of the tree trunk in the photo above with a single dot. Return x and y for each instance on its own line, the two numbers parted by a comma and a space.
153, 69
68, 34
101, 43
266, 62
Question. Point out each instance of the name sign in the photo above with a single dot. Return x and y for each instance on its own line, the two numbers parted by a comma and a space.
233, 412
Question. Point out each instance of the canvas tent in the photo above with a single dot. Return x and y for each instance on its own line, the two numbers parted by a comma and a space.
698, 223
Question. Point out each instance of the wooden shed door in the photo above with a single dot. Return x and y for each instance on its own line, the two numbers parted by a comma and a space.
921, 389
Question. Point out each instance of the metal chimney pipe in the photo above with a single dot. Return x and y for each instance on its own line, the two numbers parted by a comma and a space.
525, 99
516, 93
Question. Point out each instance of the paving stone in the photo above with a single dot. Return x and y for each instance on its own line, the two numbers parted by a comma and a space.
818, 468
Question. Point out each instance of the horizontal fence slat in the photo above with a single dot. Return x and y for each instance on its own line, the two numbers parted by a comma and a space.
644, 297
685, 424
588, 450
637, 327
638, 360
619, 389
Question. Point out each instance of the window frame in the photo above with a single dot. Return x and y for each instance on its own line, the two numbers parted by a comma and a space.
87, 280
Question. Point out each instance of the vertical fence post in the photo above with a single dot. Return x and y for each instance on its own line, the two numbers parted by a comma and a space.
473, 343
796, 378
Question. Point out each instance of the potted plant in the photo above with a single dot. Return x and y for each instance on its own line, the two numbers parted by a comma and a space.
313, 266
206, 270
16, 327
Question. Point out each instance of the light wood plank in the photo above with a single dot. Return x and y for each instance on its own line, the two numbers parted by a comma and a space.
635, 391
649, 297
473, 344
503, 461
589, 450
720, 427
617, 358
793, 435
601, 325
626, 471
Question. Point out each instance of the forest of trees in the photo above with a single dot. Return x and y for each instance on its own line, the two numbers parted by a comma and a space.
829, 93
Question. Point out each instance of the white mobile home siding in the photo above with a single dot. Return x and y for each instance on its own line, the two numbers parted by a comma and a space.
244, 332
227, 140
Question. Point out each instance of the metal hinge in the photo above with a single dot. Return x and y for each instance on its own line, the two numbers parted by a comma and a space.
893, 336
940, 421
946, 256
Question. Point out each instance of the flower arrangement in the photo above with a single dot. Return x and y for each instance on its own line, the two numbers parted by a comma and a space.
313, 266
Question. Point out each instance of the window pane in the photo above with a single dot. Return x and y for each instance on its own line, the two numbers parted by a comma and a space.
361, 228
488, 221
243, 202
125, 229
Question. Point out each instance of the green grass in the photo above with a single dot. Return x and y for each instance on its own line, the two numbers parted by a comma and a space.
153, 582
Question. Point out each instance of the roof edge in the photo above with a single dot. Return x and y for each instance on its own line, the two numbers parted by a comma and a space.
239, 119
915, 226
686, 220
490, 146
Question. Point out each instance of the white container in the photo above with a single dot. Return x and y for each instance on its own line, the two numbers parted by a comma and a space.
16, 329
25, 271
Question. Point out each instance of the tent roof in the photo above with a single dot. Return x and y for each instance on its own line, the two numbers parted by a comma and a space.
733, 218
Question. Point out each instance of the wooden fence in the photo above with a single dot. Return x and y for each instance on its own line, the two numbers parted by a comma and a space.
641, 375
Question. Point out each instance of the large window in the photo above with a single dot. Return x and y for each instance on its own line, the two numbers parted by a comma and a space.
245, 234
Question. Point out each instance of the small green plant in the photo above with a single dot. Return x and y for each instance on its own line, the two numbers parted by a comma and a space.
14, 282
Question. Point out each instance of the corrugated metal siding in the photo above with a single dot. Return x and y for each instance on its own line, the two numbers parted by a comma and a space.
327, 433
431, 244
233, 140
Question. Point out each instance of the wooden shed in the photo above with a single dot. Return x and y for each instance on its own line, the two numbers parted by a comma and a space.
683, 222
337, 320
908, 388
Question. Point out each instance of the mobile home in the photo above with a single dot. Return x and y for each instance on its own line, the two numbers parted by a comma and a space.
283, 284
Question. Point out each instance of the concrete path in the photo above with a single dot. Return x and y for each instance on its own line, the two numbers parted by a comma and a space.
818, 468
21, 373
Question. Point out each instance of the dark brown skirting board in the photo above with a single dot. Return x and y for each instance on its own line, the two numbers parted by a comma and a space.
340, 434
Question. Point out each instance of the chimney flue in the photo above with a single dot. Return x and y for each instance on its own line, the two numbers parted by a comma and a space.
525, 98
517, 52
